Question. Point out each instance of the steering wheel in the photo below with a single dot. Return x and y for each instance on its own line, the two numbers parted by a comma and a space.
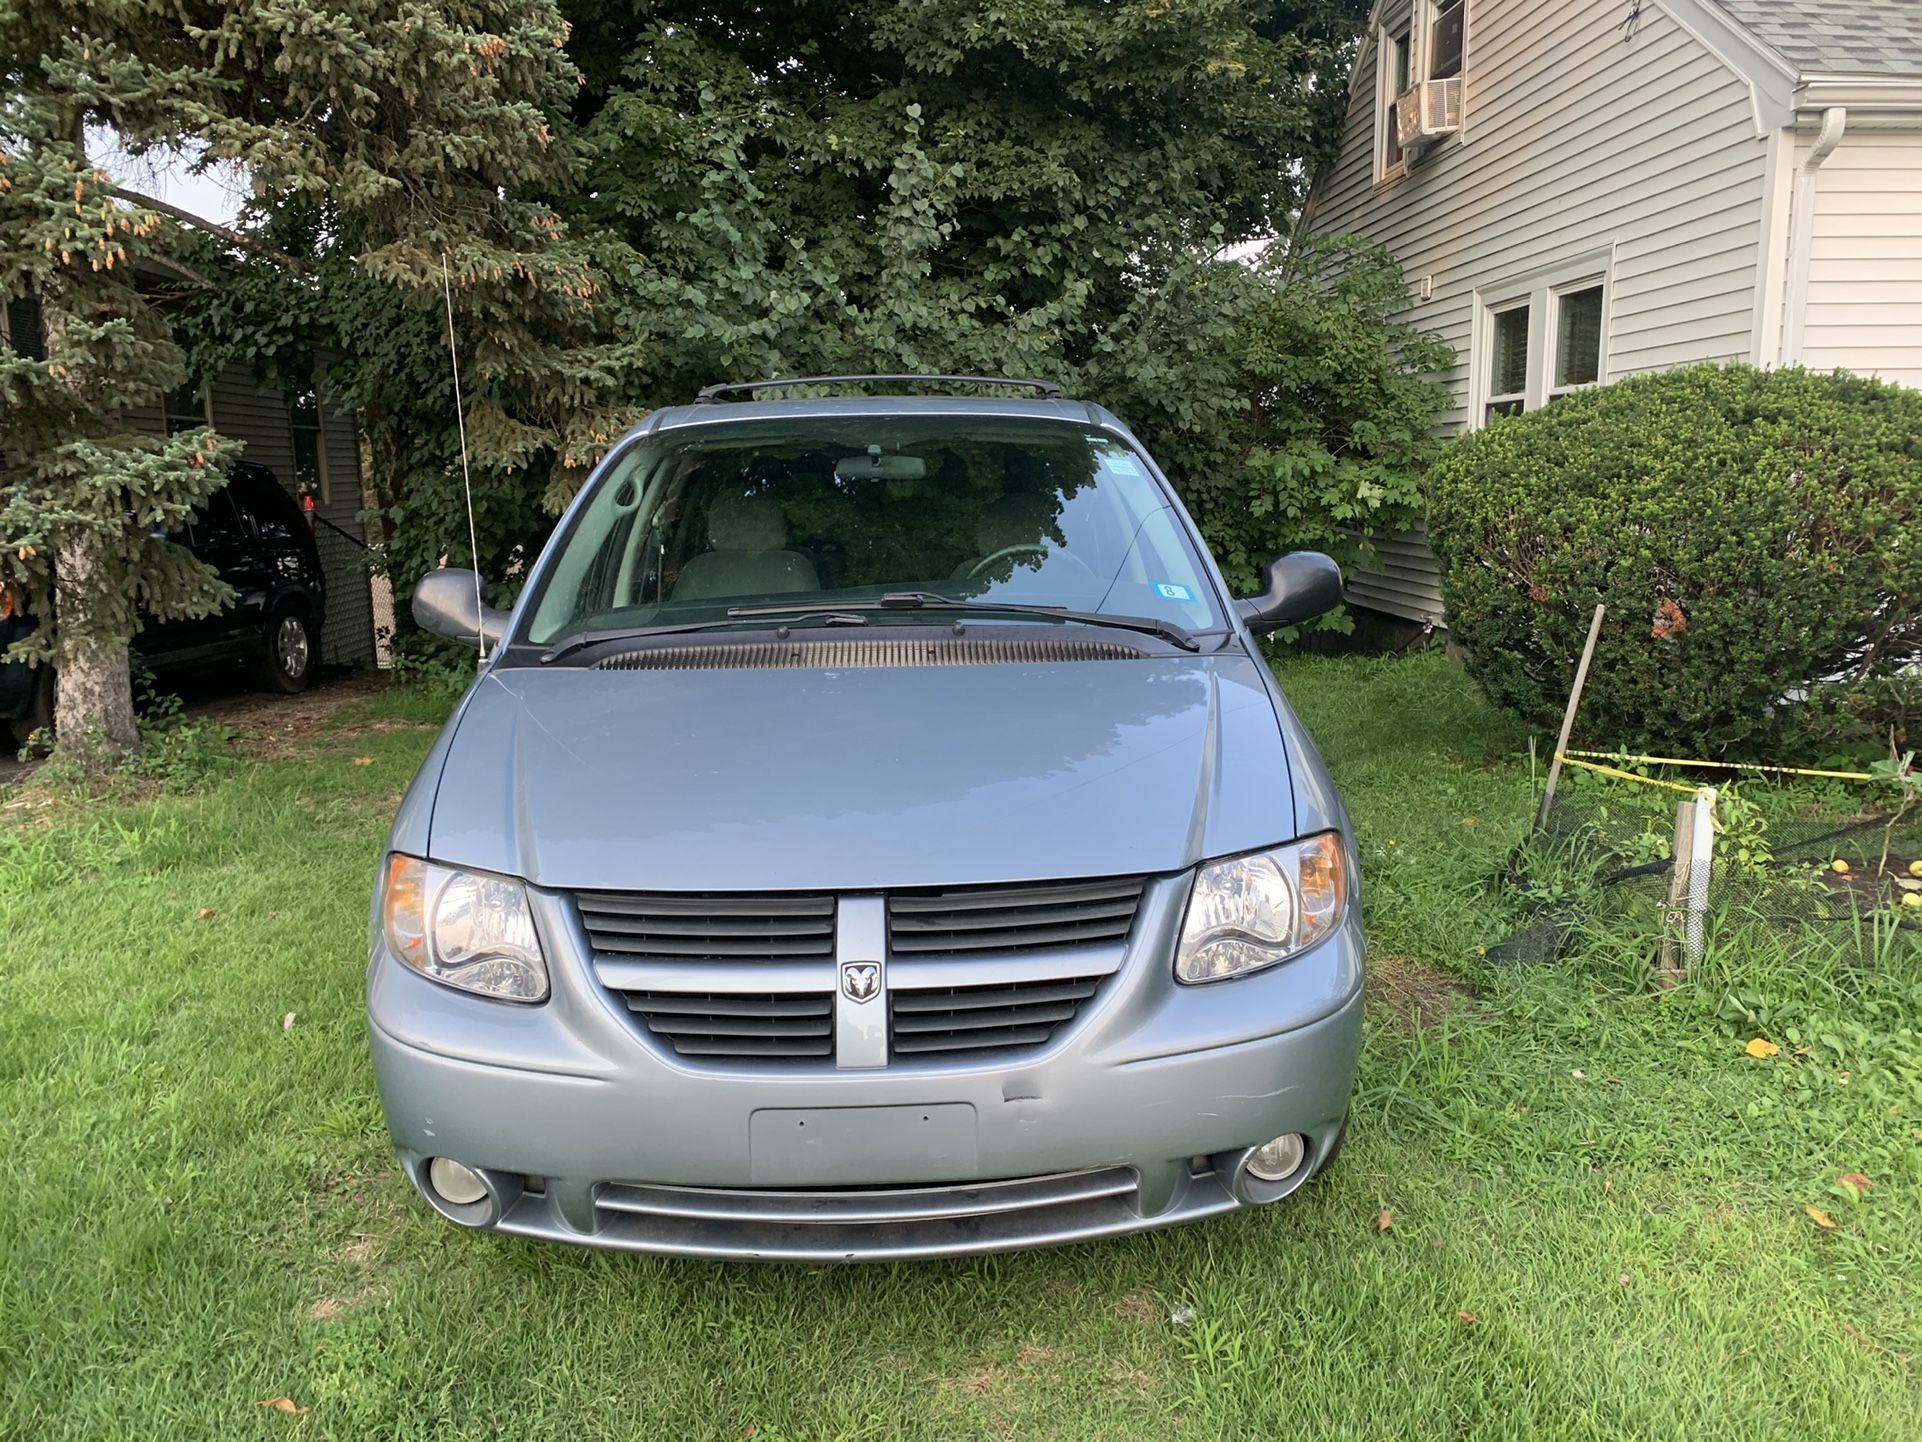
1027, 548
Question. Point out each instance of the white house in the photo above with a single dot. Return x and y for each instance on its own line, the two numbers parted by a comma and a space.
1581, 191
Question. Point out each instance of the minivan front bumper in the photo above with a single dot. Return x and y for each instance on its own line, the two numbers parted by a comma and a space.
1137, 1115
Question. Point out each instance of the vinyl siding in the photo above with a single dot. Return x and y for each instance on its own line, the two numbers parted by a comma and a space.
1640, 155
1864, 297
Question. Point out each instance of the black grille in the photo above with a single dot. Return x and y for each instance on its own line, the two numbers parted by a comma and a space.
1032, 917
761, 1024
843, 654
984, 1018
708, 926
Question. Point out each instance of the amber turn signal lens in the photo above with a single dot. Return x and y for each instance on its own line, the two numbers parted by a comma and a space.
1323, 884
403, 909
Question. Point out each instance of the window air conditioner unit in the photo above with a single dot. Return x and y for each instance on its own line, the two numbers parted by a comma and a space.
1428, 111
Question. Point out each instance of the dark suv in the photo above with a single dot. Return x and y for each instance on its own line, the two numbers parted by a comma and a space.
252, 532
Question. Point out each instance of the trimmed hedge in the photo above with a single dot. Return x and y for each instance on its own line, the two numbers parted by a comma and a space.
1753, 533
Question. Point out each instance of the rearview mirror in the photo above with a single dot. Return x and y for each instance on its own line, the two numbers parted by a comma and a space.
1296, 587
447, 602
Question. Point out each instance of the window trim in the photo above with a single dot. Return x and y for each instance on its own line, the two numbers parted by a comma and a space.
1427, 15
1541, 291
323, 481
1488, 402
1386, 41
1551, 359
168, 414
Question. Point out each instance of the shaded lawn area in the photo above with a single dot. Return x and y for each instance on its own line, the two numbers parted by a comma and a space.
201, 1214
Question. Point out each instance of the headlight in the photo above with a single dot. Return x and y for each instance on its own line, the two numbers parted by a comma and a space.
465, 928
1252, 911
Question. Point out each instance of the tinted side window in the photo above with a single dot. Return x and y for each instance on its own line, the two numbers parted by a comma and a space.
218, 522
271, 509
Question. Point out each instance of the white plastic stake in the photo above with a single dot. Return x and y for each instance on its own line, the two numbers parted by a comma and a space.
1701, 860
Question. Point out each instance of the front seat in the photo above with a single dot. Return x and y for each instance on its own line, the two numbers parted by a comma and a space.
748, 554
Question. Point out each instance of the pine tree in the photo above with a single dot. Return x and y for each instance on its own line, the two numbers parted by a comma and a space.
88, 500
415, 145
407, 140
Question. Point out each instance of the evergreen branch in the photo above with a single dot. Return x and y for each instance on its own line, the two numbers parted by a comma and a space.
232, 237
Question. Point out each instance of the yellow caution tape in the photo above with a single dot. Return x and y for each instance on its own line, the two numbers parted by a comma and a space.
1616, 771
1716, 765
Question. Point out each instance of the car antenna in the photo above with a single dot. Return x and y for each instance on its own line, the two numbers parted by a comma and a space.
466, 481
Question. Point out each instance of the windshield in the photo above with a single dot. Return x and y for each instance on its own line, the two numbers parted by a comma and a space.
844, 510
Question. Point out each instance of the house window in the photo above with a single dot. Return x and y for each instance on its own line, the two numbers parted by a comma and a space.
187, 409
310, 465
1508, 363
1391, 79
1539, 337
1446, 33
1578, 340
21, 329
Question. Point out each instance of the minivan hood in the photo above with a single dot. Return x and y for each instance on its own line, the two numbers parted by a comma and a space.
796, 779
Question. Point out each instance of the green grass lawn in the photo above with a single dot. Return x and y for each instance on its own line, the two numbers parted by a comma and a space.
1594, 1200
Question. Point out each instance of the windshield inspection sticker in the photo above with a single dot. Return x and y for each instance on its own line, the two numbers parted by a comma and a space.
1168, 591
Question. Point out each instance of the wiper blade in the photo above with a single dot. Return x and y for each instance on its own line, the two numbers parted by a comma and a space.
931, 601
581, 640
1146, 625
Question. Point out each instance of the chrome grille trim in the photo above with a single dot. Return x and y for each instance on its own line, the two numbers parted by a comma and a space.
707, 976
922, 973
866, 1205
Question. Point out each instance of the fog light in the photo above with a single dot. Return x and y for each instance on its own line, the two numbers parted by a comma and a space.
1277, 1160
462, 1185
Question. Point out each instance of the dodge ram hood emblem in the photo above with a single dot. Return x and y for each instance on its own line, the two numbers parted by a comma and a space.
860, 980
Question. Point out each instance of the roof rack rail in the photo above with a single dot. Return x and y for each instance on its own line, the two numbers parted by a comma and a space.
1046, 390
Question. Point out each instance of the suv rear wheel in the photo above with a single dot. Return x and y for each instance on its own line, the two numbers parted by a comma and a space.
285, 661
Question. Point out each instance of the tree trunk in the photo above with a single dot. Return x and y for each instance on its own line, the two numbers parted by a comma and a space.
93, 699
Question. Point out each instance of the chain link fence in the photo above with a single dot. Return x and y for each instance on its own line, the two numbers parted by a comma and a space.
1791, 861
347, 631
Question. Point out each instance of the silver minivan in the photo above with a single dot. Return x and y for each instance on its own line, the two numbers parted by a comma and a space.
873, 834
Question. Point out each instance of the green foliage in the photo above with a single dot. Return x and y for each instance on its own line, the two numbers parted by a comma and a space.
641, 199
84, 488
1042, 189
1288, 407
393, 151
1751, 533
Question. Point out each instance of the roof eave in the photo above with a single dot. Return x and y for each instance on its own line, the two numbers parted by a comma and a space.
1895, 96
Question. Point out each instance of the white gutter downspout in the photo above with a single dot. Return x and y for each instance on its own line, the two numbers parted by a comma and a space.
1834, 120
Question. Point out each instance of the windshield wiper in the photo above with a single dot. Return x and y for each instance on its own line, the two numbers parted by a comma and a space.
580, 640
931, 601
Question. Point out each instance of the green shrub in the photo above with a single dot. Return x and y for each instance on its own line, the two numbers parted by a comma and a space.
1753, 533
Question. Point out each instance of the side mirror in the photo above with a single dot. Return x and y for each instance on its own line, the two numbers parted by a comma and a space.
447, 602
1296, 587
